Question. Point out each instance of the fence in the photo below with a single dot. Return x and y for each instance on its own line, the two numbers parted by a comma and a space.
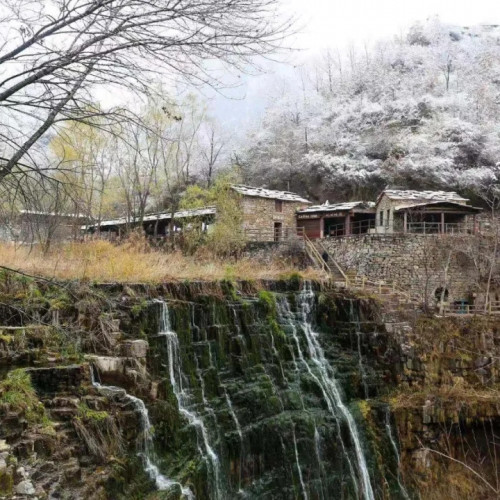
370, 226
490, 308
356, 227
276, 234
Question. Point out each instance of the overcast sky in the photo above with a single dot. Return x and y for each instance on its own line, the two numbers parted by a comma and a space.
338, 24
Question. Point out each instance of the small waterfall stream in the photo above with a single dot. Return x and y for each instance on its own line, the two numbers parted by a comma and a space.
396, 452
327, 382
183, 399
146, 444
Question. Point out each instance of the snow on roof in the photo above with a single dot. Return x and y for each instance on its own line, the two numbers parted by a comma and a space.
268, 193
400, 194
182, 214
440, 202
51, 214
338, 207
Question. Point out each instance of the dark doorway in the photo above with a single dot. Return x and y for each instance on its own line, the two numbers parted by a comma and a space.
278, 231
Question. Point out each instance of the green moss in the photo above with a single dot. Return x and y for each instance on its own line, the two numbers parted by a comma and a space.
268, 301
87, 414
137, 309
17, 393
6, 483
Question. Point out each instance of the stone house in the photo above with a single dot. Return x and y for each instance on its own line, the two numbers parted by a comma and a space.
269, 214
402, 211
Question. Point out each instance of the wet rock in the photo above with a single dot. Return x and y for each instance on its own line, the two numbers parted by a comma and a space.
58, 379
25, 487
108, 364
134, 348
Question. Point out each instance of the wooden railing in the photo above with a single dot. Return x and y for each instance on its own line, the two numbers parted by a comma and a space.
371, 226
315, 256
356, 227
475, 309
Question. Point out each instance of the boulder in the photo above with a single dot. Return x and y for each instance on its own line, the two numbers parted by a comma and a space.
26, 488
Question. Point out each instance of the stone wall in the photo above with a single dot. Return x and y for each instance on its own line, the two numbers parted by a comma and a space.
269, 252
261, 214
414, 262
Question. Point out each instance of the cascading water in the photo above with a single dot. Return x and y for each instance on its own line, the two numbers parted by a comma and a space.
146, 444
183, 400
325, 378
297, 463
396, 452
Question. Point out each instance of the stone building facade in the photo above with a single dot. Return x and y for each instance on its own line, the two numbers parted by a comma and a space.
416, 263
268, 214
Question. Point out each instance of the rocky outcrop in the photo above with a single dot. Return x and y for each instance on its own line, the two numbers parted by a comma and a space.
242, 383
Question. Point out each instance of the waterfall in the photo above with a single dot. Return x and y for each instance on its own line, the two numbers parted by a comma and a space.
354, 318
176, 380
326, 381
317, 450
297, 463
146, 445
396, 452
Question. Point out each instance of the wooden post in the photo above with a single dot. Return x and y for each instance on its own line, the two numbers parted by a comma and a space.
405, 221
442, 223
321, 227
348, 224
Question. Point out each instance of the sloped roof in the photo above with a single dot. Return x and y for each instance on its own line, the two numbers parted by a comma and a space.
52, 214
182, 214
401, 194
453, 204
338, 207
268, 193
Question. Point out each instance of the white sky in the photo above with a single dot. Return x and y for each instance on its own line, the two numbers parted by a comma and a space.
338, 24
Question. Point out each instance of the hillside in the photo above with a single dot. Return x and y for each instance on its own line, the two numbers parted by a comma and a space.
420, 111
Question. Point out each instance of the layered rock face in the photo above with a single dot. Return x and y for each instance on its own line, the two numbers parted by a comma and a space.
250, 390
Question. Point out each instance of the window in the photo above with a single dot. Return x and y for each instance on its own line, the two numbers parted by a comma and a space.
278, 205
381, 218
388, 217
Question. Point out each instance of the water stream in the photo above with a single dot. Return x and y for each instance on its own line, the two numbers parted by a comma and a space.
326, 380
146, 436
396, 452
185, 408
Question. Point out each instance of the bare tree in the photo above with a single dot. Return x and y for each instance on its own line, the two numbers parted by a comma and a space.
212, 152
53, 54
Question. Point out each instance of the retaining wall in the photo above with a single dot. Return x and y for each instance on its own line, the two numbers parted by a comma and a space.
414, 262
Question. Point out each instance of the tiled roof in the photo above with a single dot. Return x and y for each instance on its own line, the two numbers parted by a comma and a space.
399, 194
182, 214
338, 207
268, 193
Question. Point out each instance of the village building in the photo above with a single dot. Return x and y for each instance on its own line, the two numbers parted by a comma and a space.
157, 224
269, 215
272, 215
424, 212
337, 219
36, 226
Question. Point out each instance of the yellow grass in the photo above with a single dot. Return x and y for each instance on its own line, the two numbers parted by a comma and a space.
134, 262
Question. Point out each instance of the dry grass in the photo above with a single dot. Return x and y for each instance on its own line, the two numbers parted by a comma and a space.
134, 262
